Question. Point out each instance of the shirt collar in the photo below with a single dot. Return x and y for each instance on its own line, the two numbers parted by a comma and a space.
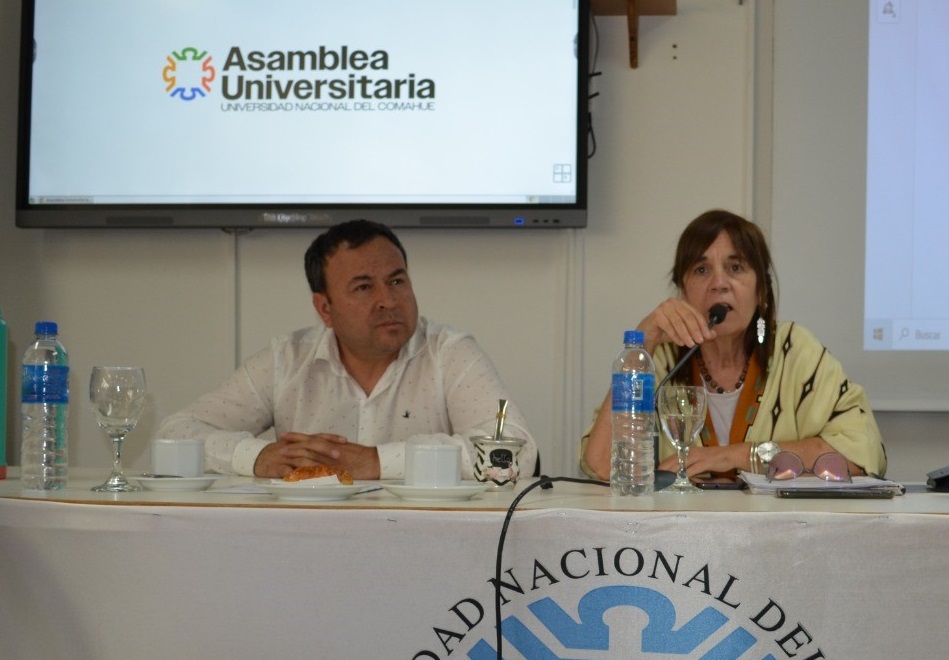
327, 348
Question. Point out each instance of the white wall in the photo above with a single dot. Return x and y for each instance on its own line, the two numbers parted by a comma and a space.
674, 137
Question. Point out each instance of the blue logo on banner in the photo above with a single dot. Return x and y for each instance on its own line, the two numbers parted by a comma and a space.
592, 634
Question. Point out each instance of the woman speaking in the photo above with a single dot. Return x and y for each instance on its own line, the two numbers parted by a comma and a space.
771, 385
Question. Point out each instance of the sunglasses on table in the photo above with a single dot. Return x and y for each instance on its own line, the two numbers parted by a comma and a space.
829, 467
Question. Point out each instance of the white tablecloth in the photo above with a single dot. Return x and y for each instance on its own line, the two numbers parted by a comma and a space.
721, 575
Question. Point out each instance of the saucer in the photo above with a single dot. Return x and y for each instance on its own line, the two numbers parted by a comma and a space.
463, 491
175, 483
301, 491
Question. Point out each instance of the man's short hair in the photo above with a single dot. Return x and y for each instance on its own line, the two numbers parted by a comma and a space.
353, 233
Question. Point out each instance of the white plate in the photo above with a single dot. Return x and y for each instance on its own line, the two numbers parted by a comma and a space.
463, 491
300, 491
176, 483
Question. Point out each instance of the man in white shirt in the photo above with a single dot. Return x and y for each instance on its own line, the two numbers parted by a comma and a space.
351, 392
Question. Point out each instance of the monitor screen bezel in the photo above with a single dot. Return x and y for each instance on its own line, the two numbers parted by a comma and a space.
252, 216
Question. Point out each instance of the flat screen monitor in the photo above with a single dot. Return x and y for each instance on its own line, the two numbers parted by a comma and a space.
246, 114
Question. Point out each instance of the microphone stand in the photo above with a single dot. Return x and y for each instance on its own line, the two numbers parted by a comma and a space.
715, 316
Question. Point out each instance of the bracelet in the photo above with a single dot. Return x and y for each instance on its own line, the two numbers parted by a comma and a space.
753, 458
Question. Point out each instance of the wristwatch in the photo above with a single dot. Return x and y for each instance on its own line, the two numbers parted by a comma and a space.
761, 455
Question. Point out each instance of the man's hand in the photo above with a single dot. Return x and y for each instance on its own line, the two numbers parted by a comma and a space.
293, 450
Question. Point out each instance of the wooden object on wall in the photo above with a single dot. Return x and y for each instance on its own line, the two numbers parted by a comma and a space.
633, 9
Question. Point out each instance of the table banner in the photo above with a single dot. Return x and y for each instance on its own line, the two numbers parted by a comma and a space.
103, 582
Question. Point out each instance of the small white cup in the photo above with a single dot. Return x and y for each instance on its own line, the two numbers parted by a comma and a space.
181, 457
432, 466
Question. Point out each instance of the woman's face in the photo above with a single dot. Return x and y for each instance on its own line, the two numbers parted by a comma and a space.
723, 276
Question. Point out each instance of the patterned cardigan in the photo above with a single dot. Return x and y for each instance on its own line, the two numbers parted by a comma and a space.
806, 394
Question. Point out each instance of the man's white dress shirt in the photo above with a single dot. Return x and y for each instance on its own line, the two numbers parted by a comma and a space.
442, 389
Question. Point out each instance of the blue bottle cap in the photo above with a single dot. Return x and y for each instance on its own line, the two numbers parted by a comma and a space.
634, 337
46, 328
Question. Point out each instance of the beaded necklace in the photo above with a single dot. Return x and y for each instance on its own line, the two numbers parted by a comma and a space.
707, 377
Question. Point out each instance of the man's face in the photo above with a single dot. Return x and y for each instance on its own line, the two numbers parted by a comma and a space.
369, 301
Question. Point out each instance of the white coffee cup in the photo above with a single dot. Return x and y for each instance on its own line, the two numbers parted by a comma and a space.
432, 466
183, 457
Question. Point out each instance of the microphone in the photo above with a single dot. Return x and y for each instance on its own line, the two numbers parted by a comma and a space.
715, 316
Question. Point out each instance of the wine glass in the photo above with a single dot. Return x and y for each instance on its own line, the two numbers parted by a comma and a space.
682, 414
118, 399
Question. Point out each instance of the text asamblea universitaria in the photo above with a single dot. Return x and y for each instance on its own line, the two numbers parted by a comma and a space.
354, 86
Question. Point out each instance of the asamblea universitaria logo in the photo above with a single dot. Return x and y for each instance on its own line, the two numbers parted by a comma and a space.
185, 81
324, 79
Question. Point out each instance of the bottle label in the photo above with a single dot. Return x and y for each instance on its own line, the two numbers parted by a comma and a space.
45, 383
633, 392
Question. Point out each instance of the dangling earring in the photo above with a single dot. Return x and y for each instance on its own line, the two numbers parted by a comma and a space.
761, 329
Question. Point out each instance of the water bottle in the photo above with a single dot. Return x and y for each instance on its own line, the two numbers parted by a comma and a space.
632, 467
45, 404
3, 397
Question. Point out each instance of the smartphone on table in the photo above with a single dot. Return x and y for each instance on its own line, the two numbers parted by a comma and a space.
721, 484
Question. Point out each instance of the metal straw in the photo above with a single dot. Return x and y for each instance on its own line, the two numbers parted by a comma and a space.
502, 413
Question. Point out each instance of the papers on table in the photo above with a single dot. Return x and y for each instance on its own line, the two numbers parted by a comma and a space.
759, 484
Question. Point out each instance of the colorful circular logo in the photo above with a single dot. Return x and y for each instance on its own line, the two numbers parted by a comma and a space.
188, 74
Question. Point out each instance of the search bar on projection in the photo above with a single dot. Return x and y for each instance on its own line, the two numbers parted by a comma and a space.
920, 334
